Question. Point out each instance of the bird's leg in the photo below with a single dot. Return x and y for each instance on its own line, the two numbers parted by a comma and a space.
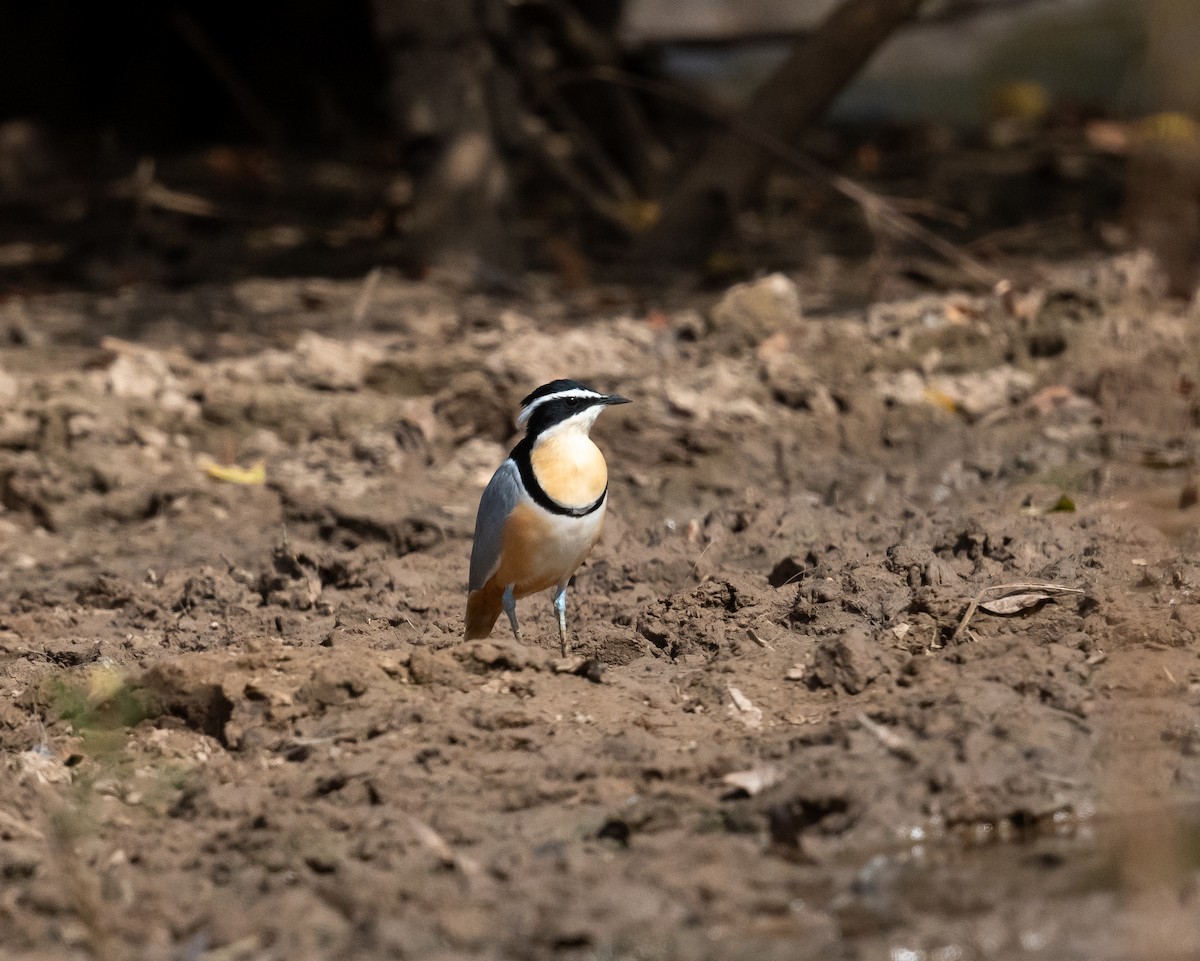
510, 608
560, 606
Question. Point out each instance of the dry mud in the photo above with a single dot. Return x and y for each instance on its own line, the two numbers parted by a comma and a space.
239, 722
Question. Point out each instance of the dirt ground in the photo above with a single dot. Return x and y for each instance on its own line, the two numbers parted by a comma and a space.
890, 648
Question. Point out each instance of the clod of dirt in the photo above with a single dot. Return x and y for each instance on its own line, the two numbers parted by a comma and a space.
293, 580
751, 312
657, 633
10, 387
213, 589
332, 364
433, 667
788, 571
795, 384
850, 661
380, 518
615, 830
473, 406
483, 656
105, 591
142, 375
332, 687
827, 813
170, 691
590, 668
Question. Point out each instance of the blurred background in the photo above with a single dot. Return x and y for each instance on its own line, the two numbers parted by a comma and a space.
180, 141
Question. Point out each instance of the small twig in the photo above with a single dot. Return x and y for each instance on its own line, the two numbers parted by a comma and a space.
366, 296
932, 210
1027, 233
226, 74
438, 845
144, 189
966, 618
644, 155
1055, 778
888, 738
753, 635
696, 566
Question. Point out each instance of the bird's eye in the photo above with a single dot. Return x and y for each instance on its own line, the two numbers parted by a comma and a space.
572, 402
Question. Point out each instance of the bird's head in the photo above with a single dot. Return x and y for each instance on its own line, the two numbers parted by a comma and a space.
562, 406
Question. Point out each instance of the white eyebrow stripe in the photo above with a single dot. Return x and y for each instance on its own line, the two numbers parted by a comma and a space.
526, 412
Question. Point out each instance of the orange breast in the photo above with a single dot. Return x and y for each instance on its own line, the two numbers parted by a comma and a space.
570, 469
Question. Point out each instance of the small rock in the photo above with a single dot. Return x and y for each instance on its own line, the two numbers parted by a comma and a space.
18, 430
939, 573
139, 376
794, 384
332, 687
585, 667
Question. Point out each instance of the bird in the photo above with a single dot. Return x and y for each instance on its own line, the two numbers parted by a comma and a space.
541, 513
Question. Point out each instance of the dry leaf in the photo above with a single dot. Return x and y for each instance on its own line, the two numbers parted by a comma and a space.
939, 398
744, 710
1064, 505
1015, 603
754, 781
232, 474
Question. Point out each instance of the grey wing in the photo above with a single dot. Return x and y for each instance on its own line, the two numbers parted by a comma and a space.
499, 499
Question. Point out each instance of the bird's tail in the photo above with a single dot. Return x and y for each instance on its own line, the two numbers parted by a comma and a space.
483, 608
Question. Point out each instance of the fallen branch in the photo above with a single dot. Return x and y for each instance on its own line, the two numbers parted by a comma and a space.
880, 212
783, 107
252, 109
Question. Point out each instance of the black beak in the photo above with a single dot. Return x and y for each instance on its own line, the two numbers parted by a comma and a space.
611, 399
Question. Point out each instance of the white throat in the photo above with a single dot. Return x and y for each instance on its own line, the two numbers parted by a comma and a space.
579, 424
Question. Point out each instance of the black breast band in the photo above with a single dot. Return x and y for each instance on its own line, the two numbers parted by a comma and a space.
521, 457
